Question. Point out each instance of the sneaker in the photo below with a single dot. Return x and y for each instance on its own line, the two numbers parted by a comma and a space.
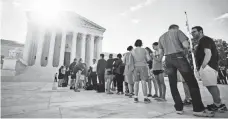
187, 102
212, 107
136, 100
180, 112
149, 95
146, 100
131, 95
204, 113
161, 100
76, 90
127, 94
109, 92
155, 96
222, 108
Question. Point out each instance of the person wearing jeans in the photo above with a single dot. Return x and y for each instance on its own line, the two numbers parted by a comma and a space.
101, 72
172, 44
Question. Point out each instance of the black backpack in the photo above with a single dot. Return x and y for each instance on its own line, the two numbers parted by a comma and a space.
121, 68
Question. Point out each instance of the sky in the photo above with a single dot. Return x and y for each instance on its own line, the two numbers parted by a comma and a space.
124, 20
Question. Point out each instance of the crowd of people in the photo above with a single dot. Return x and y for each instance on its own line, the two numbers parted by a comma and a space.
144, 65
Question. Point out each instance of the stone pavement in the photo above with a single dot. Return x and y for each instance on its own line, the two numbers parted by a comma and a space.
37, 100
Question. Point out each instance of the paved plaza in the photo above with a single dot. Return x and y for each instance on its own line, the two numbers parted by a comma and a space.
38, 100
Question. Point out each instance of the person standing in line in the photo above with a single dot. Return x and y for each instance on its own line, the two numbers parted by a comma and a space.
61, 76
109, 74
151, 77
76, 72
119, 66
172, 44
93, 74
140, 57
158, 72
207, 64
128, 71
114, 82
73, 77
101, 65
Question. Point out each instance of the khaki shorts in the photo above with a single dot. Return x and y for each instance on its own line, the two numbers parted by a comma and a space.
141, 73
129, 78
208, 76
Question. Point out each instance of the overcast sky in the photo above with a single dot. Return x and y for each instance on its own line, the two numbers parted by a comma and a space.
126, 20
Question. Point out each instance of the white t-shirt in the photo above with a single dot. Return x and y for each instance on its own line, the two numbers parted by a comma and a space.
94, 67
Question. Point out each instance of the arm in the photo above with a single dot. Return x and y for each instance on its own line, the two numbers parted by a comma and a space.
207, 57
98, 66
183, 39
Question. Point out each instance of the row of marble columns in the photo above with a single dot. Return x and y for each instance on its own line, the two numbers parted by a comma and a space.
83, 45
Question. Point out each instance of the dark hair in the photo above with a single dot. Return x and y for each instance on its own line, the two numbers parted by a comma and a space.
155, 43
173, 26
198, 28
75, 59
129, 48
138, 43
110, 55
149, 50
102, 55
119, 56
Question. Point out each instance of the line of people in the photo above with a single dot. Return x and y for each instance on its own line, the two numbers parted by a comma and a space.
145, 66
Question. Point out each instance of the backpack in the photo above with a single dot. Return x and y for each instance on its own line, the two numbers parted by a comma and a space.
121, 68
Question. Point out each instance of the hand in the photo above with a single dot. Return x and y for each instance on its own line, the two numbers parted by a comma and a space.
203, 66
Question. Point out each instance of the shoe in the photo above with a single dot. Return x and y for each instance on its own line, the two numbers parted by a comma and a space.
127, 94
222, 108
180, 112
76, 90
149, 95
155, 96
146, 100
204, 113
121, 93
187, 102
136, 100
161, 100
118, 93
110, 93
71, 88
131, 95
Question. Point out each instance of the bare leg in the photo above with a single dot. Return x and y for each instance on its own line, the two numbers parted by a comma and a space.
150, 87
162, 85
155, 87
144, 87
136, 88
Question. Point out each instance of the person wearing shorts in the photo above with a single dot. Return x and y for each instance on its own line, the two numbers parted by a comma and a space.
140, 57
207, 64
158, 72
109, 74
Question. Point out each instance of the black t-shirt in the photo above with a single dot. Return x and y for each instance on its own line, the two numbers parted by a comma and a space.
207, 42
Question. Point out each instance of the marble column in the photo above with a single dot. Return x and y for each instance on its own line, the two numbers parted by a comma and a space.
83, 46
91, 50
27, 45
73, 48
39, 47
51, 50
62, 49
99, 46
